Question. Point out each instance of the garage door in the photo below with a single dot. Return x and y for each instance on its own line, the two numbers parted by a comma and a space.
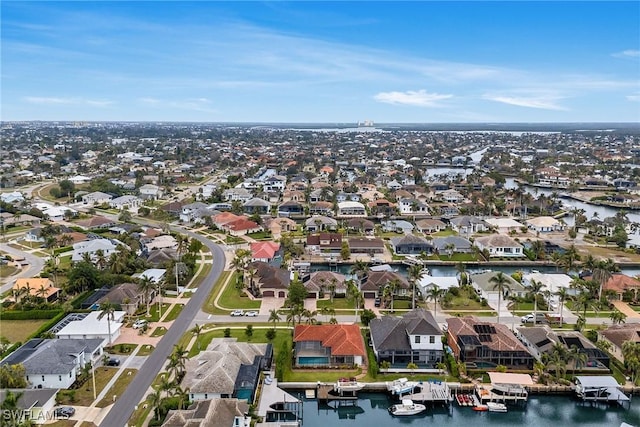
369, 294
268, 294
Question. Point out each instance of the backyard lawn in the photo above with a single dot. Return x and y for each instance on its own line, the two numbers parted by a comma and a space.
19, 330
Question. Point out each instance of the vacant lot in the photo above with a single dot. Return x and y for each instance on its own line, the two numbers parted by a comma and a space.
19, 330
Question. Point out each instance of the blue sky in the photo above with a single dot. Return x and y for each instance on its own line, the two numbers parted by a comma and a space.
410, 62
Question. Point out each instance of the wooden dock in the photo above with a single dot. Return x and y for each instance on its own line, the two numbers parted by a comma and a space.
432, 392
327, 393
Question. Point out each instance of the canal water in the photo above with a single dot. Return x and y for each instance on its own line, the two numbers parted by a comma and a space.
540, 411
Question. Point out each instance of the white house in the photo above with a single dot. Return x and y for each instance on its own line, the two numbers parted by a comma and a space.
150, 192
236, 194
504, 225
90, 327
499, 245
126, 202
351, 209
155, 275
55, 363
96, 198
36, 405
91, 247
13, 197
544, 224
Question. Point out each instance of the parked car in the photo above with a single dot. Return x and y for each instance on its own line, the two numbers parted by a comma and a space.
113, 361
139, 324
237, 313
377, 302
252, 313
540, 318
65, 412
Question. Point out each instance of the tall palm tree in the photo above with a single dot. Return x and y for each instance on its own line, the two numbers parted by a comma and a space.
562, 295
576, 356
535, 288
165, 385
101, 261
182, 394
197, 330
354, 294
435, 293
274, 317
415, 274
155, 399
328, 311
392, 288
333, 284
145, 286
107, 309
570, 258
617, 317
603, 272
500, 283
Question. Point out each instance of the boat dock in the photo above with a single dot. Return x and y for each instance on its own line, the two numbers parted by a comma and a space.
327, 393
432, 392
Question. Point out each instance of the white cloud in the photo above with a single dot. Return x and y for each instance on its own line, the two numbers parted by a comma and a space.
419, 98
635, 97
543, 102
44, 100
194, 104
629, 53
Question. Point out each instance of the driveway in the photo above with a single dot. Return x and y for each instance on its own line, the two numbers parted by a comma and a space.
269, 304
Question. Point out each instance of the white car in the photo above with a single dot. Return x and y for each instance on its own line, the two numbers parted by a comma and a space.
139, 324
237, 313
540, 318
251, 313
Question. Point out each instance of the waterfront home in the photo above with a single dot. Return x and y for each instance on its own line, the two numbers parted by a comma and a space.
360, 225
324, 282
552, 282
499, 245
397, 226
504, 225
375, 281
410, 244
411, 206
349, 209
451, 244
443, 282
265, 251
318, 223
366, 245
321, 208
324, 243
34, 405
468, 225
482, 282
256, 205
600, 389
477, 342
617, 335
289, 208
428, 226
328, 346
277, 226
266, 280
544, 224
223, 412
236, 194
412, 338
623, 286
36, 287
55, 363
213, 372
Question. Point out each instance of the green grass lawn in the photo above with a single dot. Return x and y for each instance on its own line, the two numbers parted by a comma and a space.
20, 330
84, 394
338, 304
458, 257
174, 313
233, 240
145, 350
461, 313
260, 235
159, 331
445, 233
154, 314
206, 268
118, 388
122, 348
259, 336
230, 298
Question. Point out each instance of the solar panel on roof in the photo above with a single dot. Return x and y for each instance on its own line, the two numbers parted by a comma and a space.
543, 342
484, 338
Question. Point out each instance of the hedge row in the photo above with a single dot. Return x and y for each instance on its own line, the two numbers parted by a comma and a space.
28, 314
58, 251
79, 299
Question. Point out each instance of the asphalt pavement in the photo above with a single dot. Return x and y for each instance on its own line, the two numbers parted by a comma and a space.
35, 265
122, 410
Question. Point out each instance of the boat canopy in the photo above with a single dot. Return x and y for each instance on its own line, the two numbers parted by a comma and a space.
506, 378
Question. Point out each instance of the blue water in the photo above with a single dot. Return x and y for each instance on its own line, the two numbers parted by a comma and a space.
541, 411
313, 360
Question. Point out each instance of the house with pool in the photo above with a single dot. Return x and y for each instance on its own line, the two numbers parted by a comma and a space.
328, 346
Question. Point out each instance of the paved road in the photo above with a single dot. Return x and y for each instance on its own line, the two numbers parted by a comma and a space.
123, 408
35, 266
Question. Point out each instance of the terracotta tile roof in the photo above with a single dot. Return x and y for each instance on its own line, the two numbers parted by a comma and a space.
621, 282
264, 250
224, 218
242, 224
342, 340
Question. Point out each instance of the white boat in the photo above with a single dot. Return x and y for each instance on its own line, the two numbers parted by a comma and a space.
496, 407
407, 407
348, 384
401, 386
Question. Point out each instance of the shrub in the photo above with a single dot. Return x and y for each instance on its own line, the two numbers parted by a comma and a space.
28, 314
227, 332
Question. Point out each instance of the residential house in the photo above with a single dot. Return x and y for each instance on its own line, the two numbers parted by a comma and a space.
290, 208
448, 210
267, 281
360, 225
321, 208
236, 194
54, 363
499, 245
227, 412
34, 406
617, 335
544, 224
266, 252
12, 198
468, 225
164, 241
410, 206
96, 222
318, 223
34, 236
397, 226
351, 209
428, 226
328, 346
256, 206
242, 226
126, 295
96, 198
324, 282
212, 373
410, 244
474, 341
36, 287
415, 337
324, 243
91, 327
150, 192
126, 202
277, 226
162, 257
194, 212
366, 245
346, 197
442, 282
623, 286
275, 183
451, 196
504, 225
92, 248
374, 282
451, 244
485, 286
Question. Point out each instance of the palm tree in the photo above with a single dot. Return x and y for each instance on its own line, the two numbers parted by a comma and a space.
310, 316
197, 330
435, 293
354, 294
155, 399
576, 356
182, 395
328, 311
449, 248
101, 261
500, 283
603, 272
107, 309
180, 354
415, 274
42, 292
145, 286
165, 385
562, 295
570, 258
535, 287
461, 268
392, 288
617, 317
360, 269
274, 317
333, 284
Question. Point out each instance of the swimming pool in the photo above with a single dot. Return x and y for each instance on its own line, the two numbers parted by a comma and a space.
313, 360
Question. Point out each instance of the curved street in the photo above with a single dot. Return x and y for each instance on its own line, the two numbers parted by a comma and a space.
123, 408
35, 266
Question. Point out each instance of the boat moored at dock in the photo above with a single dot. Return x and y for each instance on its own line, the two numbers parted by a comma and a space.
406, 407
401, 386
